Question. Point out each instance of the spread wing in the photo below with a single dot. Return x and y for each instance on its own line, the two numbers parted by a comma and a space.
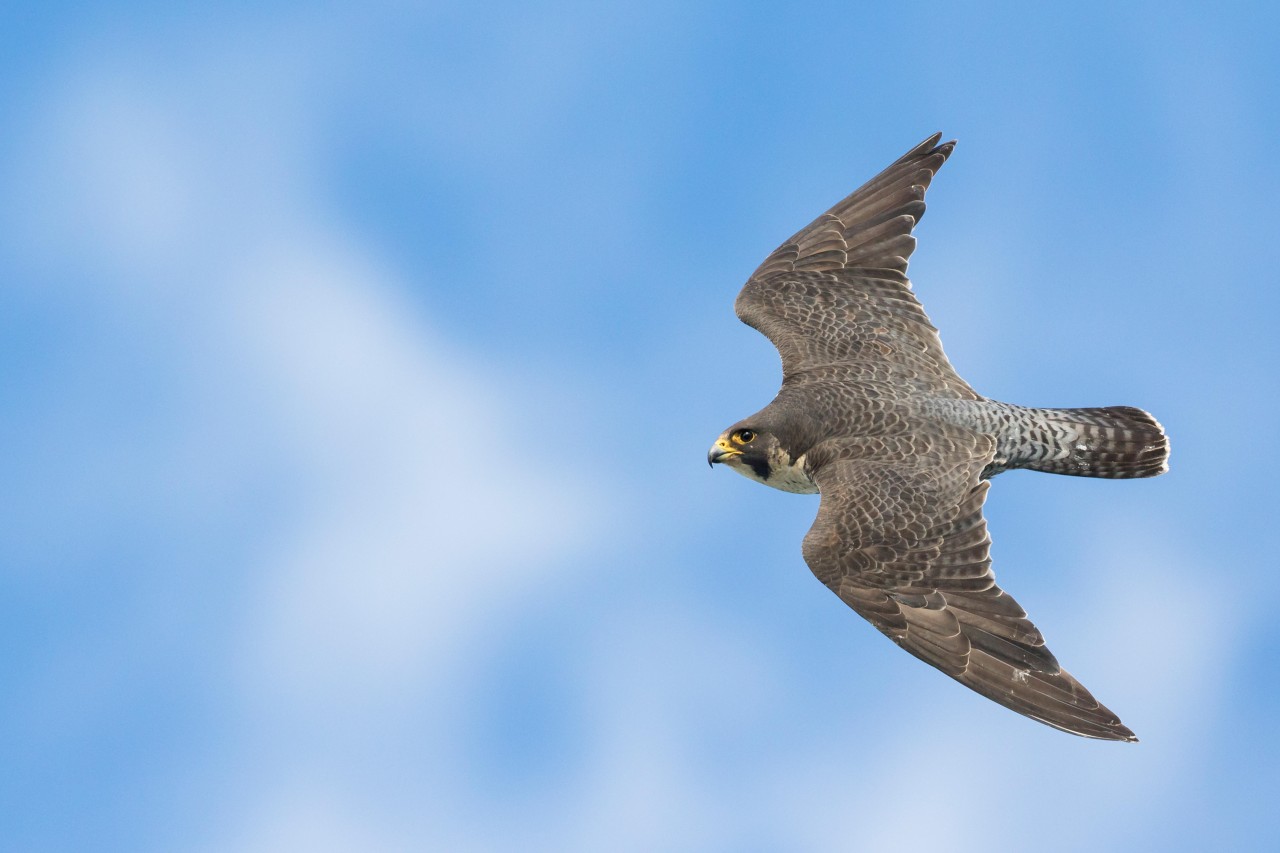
837, 292
906, 546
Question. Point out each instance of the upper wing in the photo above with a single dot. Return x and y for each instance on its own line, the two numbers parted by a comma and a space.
837, 292
906, 546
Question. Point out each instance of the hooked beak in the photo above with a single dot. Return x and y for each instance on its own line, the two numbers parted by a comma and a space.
720, 450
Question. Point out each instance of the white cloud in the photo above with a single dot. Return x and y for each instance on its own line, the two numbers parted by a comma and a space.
107, 178
428, 505
416, 509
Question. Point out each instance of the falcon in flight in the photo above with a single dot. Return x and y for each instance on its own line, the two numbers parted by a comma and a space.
873, 417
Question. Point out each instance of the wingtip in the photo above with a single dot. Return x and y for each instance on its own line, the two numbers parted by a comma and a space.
931, 146
927, 148
1111, 730
1114, 731
1122, 733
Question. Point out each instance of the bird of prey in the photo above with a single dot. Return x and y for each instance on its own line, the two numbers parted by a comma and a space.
873, 417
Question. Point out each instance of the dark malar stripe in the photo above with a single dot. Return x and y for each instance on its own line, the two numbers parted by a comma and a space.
760, 466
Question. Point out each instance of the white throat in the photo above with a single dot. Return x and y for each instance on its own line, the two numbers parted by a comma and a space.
784, 474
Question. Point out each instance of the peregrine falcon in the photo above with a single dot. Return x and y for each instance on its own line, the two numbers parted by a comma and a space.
873, 417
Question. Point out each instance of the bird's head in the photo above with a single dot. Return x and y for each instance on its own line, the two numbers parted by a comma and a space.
745, 450
754, 451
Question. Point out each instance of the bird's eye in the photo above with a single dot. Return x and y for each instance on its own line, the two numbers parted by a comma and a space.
746, 436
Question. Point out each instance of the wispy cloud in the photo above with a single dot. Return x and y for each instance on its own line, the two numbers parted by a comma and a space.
405, 511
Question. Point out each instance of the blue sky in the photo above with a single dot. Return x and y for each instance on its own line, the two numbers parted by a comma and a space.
359, 365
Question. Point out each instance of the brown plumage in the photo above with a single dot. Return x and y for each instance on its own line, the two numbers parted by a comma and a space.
872, 415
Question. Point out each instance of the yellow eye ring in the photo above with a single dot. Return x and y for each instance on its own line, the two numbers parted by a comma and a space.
744, 436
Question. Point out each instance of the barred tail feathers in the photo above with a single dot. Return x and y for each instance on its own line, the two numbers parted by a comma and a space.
1116, 441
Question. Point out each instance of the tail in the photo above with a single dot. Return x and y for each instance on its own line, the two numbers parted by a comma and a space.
1116, 441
